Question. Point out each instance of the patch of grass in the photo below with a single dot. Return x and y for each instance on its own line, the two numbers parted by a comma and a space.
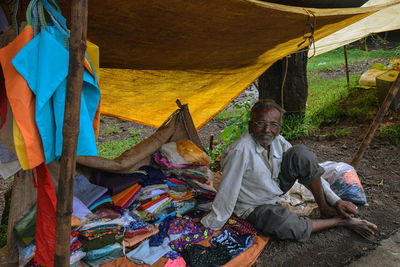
112, 129
323, 99
338, 133
136, 133
335, 59
390, 132
113, 148
295, 127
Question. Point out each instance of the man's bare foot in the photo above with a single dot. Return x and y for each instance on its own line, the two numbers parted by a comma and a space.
362, 227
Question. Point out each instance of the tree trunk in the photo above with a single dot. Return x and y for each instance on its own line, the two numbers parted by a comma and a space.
292, 71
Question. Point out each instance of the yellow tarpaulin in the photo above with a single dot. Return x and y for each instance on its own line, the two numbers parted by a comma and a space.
204, 53
386, 19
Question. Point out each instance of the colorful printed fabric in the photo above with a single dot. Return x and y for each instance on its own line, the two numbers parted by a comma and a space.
189, 195
137, 224
101, 231
181, 243
76, 245
158, 238
201, 256
234, 242
239, 226
183, 225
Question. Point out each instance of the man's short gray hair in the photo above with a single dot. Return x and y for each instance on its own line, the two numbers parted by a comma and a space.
264, 103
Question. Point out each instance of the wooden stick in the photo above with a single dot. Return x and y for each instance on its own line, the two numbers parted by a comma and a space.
347, 66
377, 120
70, 131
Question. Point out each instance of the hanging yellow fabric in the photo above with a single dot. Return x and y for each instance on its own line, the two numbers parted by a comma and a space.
20, 147
205, 54
206, 63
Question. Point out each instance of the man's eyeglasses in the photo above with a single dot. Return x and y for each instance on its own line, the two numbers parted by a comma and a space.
263, 124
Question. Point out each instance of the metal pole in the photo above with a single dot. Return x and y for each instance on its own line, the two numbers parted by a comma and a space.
77, 46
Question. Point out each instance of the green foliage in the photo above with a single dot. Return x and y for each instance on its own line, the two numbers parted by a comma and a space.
390, 133
236, 126
112, 129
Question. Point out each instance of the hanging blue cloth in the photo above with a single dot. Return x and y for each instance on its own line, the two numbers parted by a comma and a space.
43, 62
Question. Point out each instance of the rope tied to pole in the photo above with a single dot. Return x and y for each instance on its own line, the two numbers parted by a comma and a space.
309, 27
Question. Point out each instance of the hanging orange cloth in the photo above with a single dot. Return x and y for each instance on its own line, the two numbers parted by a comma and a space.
22, 100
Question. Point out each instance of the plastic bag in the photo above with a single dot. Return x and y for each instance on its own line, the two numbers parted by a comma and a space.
344, 181
191, 153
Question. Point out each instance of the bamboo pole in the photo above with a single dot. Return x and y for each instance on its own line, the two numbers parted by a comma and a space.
70, 131
347, 66
377, 120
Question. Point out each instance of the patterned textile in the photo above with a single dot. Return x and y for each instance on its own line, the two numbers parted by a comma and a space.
183, 225
158, 238
239, 226
76, 245
181, 243
234, 242
137, 224
101, 231
200, 256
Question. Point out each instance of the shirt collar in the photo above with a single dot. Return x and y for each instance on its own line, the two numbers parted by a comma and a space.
273, 147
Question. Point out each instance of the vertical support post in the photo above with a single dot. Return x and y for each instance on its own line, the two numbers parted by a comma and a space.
377, 120
77, 46
347, 66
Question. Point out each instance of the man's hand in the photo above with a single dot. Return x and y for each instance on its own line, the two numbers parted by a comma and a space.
346, 209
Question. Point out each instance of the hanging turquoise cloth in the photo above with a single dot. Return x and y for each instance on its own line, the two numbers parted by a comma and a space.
43, 62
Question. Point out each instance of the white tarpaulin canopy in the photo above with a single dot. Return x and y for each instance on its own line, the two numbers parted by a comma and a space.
387, 19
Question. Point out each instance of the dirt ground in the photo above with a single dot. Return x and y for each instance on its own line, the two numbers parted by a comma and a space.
379, 172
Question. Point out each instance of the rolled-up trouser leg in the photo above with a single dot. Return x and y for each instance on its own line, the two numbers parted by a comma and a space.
279, 221
299, 163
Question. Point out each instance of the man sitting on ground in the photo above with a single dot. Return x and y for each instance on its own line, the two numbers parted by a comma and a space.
261, 166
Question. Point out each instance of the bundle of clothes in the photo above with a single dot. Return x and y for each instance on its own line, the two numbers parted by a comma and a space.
151, 213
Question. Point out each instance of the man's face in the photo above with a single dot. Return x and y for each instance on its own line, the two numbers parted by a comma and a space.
264, 125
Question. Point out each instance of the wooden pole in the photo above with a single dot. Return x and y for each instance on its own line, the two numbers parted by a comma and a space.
77, 50
347, 66
377, 120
